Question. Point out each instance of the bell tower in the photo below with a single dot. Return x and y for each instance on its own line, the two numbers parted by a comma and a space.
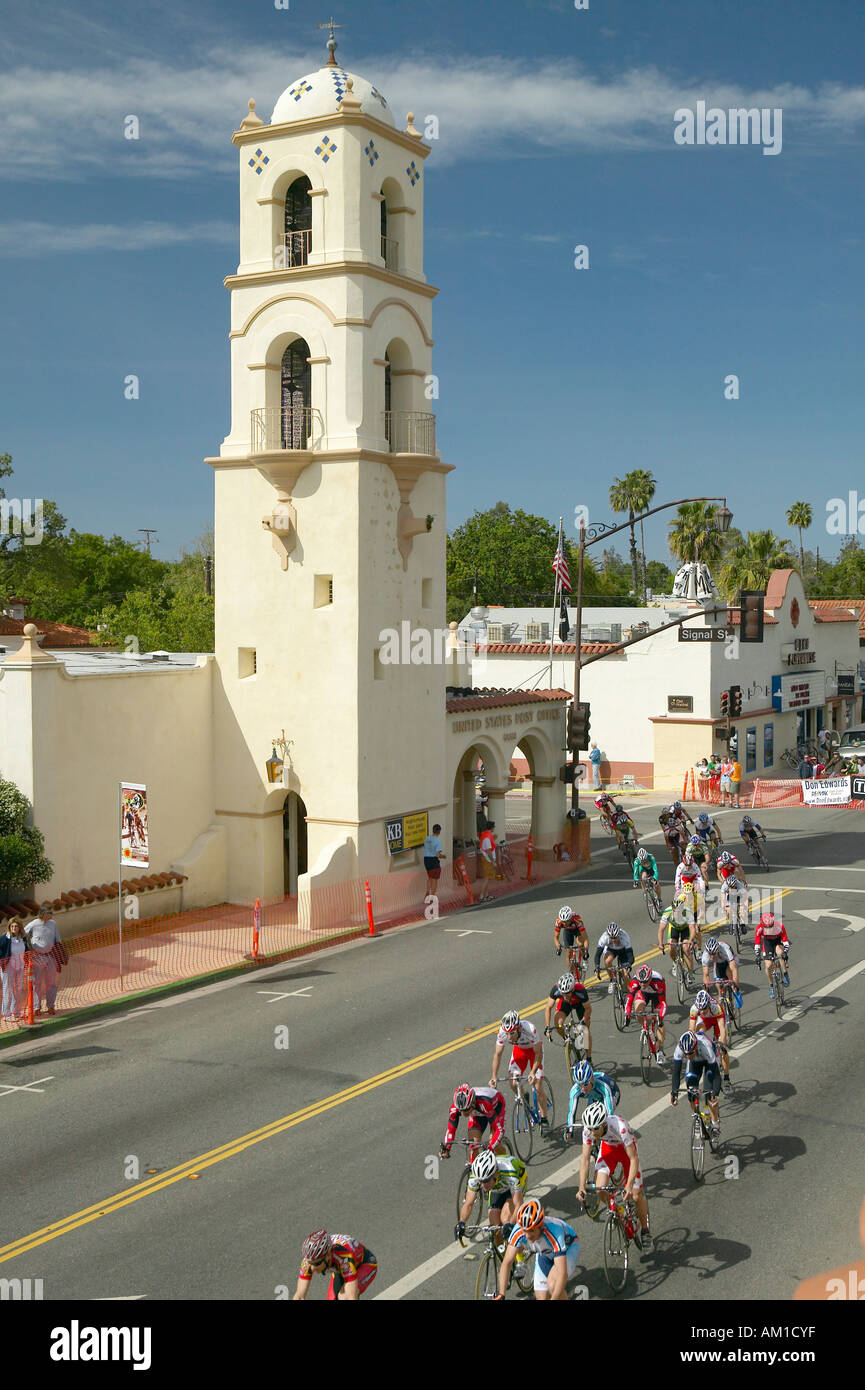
329, 493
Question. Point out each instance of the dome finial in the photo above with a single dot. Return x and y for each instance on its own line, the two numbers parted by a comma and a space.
252, 118
331, 24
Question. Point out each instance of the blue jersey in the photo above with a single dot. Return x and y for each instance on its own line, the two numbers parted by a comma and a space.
604, 1089
747, 829
555, 1238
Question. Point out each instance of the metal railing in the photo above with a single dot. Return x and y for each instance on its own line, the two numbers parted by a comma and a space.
390, 253
410, 431
285, 427
295, 249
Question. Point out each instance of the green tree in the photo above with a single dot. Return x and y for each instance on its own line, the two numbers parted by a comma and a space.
511, 552
750, 560
845, 578
22, 846
694, 537
800, 515
659, 578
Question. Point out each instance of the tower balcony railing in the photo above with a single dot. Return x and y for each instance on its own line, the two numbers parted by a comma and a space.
295, 249
410, 431
390, 253
285, 427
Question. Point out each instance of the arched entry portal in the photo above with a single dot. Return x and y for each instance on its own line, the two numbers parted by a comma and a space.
293, 842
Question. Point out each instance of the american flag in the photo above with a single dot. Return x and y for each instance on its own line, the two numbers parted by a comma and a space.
560, 566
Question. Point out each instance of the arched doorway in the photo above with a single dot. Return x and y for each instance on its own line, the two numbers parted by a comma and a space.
298, 222
294, 860
295, 397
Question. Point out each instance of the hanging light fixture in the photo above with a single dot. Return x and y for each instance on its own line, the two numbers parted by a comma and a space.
274, 767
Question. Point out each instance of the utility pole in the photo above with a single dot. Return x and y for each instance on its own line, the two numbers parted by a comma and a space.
208, 575
148, 532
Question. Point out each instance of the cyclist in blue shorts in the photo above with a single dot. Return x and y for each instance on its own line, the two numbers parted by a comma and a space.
553, 1241
590, 1085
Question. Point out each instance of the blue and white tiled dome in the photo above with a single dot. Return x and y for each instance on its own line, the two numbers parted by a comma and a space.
320, 93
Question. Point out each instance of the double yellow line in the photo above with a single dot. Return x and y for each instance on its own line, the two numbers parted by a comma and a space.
256, 1136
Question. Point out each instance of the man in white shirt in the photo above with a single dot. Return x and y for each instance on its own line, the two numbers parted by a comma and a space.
43, 936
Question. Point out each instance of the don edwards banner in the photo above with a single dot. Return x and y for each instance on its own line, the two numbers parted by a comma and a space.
826, 791
133, 825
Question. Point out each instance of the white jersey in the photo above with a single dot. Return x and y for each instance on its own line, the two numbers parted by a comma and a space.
526, 1037
623, 941
706, 1051
725, 955
691, 868
618, 1132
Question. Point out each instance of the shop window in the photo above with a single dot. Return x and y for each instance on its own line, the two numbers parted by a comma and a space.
768, 745
750, 750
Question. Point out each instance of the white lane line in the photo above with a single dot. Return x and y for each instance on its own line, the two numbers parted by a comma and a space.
809, 888
32, 1087
454, 1252
292, 994
815, 914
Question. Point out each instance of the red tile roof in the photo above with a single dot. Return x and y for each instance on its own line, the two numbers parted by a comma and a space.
492, 699
543, 648
839, 610
56, 634
86, 896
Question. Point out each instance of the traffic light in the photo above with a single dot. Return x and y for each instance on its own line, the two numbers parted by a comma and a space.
735, 701
578, 727
566, 773
751, 615
725, 703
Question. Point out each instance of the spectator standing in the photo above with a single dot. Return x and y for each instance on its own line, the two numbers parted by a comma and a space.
487, 859
433, 853
735, 782
44, 939
595, 760
726, 780
13, 949
806, 768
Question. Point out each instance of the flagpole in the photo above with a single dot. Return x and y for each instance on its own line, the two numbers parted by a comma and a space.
555, 601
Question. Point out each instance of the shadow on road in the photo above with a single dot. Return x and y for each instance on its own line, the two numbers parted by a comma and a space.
772, 1150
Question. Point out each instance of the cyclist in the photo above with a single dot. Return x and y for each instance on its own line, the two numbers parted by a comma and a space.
674, 923
645, 868
735, 898
709, 830
708, 1017
566, 996
527, 1056
691, 885
553, 1241
590, 1085
770, 940
674, 835
648, 991
697, 853
482, 1105
351, 1266
615, 945
729, 866
571, 933
718, 956
678, 812
504, 1179
607, 807
624, 827
617, 1146
749, 830
701, 1055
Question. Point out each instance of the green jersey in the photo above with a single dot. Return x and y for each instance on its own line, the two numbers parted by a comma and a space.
511, 1176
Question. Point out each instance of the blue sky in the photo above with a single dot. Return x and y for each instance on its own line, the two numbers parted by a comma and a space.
556, 129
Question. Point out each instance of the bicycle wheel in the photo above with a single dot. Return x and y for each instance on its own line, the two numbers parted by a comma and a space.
779, 993
733, 1012
698, 1156
487, 1283
524, 1272
645, 1059
615, 1253
522, 1130
551, 1103
575, 1049
592, 1203
618, 1005
476, 1216
679, 972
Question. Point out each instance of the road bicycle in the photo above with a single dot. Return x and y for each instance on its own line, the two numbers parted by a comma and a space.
778, 967
626, 848
574, 1037
607, 824
648, 1044
522, 1270
504, 862
738, 907
621, 985
526, 1116
577, 956
701, 1134
621, 1227
732, 1010
681, 974
652, 898
758, 854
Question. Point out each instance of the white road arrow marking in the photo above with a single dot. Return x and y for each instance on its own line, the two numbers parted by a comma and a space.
468, 933
815, 913
292, 994
31, 1087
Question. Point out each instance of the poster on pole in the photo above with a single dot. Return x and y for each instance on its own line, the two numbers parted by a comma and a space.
134, 839
826, 791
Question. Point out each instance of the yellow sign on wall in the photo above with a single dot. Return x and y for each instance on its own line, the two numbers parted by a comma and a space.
406, 832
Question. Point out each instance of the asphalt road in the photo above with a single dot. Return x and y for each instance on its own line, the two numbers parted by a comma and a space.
316, 1093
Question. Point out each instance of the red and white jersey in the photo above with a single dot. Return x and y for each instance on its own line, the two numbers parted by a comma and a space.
619, 1133
657, 985
727, 870
777, 932
687, 872
525, 1037
707, 1018
489, 1105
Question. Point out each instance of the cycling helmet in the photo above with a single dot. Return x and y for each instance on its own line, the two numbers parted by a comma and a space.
733, 883
768, 919
702, 1001
726, 858
676, 806
485, 1166
642, 854
613, 931
644, 975
688, 1043
695, 840
565, 913
712, 945
584, 1074
464, 1097
316, 1247
530, 1214
595, 1115
746, 820
511, 1021
703, 819
565, 983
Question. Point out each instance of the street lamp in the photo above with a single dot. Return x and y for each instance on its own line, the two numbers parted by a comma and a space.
598, 532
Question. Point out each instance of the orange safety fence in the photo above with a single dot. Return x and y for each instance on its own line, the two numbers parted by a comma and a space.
762, 792
160, 951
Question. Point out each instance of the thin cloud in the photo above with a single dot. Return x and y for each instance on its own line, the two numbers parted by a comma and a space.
46, 238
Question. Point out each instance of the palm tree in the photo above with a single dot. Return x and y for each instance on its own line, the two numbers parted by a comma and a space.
750, 560
694, 536
800, 515
626, 495
642, 493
